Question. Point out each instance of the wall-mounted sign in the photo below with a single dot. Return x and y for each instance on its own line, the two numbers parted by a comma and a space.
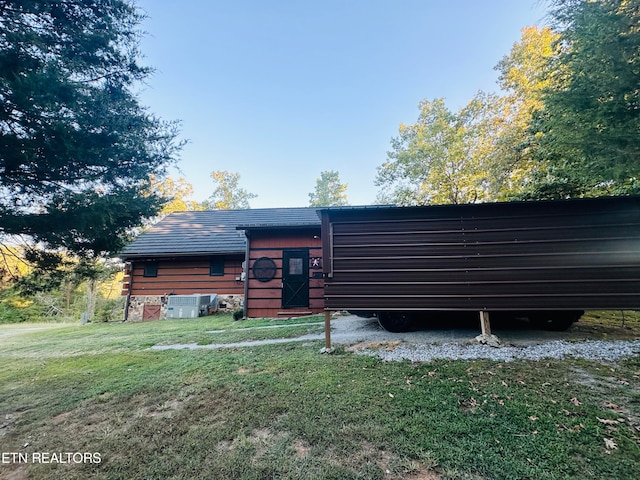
264, 269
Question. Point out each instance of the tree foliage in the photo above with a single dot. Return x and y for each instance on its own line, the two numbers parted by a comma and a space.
76, 147
524, 75
567, 124
176, 194
483, 152
227, 194
329, 191
444, 156
590, 124
12, 265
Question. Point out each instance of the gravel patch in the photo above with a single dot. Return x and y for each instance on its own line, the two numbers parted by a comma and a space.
589, 350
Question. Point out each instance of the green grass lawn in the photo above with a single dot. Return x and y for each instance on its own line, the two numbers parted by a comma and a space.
286, 411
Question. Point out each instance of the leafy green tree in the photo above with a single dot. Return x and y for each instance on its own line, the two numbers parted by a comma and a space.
589, 127
227, 194
329, 191
76, 147
442, 158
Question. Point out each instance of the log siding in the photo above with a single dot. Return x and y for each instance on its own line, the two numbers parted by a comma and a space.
185, 277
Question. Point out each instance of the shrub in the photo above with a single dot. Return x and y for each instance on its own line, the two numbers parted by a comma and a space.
13, 310
110, 311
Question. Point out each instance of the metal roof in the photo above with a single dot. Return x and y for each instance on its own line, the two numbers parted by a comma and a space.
213, 231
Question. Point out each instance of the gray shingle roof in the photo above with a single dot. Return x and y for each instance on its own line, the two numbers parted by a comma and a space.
214, 231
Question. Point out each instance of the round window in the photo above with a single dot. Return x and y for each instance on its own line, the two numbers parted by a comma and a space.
264, 269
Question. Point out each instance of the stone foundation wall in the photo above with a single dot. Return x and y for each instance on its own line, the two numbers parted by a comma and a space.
226, 304
230, 303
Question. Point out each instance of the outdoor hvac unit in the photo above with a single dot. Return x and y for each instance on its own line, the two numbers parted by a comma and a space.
191, 306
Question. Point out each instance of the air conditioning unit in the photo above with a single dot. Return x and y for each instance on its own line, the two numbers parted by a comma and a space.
191, 306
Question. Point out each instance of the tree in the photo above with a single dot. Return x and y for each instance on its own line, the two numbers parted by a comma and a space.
590, 124
76, 147
176, 193
12, 265
524, 76
227, 194
442, 158
329, 191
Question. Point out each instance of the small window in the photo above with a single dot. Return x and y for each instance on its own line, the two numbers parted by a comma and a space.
295, 266
150, 269
216, 267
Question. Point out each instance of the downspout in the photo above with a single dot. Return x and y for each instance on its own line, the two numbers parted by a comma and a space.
326, 236
127, 302
245, 306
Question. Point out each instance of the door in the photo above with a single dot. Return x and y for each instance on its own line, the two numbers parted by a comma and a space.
151, 312
295, 278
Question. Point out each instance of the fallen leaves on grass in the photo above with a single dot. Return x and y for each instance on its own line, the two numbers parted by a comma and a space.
613, 406
610, 445
610, 422
388, 346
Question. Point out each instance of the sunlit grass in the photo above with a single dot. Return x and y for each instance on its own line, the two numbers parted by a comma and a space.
286, 411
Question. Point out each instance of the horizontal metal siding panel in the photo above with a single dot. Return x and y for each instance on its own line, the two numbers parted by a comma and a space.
490, 275
484, 289
498, 303
585, 254
485, 262
473, 234
393, 222
519, 247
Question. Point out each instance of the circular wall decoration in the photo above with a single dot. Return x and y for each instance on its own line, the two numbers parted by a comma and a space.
264, 269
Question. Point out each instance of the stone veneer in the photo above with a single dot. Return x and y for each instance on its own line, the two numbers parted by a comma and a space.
226, 303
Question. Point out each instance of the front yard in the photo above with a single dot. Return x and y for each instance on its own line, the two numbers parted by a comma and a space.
94, 402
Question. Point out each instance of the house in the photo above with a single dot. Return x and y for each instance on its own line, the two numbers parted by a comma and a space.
550, 260
267, 261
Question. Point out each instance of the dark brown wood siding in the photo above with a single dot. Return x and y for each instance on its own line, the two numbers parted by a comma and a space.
573, 254
185, 276
264, 299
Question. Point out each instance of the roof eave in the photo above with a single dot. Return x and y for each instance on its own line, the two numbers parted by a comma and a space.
137, 256
287, 226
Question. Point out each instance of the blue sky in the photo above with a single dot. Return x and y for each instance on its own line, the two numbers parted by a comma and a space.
279, 91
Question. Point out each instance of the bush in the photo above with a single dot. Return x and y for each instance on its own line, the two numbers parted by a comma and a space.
238, 314
110, 311
13, 310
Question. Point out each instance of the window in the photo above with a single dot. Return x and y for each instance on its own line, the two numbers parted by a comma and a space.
216, 267
295, 266
150, 269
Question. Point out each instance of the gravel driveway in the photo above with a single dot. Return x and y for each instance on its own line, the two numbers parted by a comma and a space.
451, 340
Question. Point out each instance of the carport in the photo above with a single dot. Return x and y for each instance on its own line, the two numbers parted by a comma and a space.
549, 260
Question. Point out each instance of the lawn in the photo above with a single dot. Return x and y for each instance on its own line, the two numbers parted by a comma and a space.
94, 401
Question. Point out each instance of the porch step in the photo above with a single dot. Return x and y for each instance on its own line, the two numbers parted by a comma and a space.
295, 314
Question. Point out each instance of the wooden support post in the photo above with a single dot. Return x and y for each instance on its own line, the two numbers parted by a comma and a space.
484, 323
486, 338
327, 331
